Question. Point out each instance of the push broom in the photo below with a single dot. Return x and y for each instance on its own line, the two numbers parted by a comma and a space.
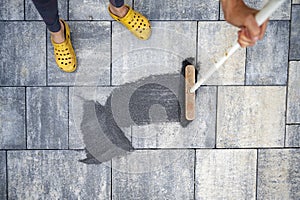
191, 86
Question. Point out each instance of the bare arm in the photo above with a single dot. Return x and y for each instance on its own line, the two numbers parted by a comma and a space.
239, 14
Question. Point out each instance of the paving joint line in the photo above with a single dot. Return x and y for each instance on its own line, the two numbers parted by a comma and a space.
256, 179
6, 171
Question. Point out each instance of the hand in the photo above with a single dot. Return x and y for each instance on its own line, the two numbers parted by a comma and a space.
239, 14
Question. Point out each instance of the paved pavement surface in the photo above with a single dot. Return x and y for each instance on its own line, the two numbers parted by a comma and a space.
243, 144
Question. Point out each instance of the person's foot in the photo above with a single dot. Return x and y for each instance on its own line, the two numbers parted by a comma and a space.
63, 50
134, 21
120, 12
59, 37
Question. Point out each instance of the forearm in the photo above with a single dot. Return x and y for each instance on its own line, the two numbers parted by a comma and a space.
236, 11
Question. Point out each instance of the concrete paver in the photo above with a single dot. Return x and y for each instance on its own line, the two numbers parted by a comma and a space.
243, 144
12, 115
47, 118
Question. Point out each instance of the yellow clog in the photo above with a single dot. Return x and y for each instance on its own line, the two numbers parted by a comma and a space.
135, 22
64, 53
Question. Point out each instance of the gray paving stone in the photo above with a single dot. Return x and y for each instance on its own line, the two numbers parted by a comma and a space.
159, 174
22, 58
90, 10
211, 47
56, 175
12, 118
31, 12
12, 10
293, 109
267, 61
198, 134
282, 13
296, 1
91, 42
179, 10
292, 136
47, 118
225, 174
170, 44
295, 33
3, 175
251, 117
278, 174
77, 97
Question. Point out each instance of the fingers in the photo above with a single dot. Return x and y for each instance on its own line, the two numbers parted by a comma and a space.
244, 38
252, 27
263, 29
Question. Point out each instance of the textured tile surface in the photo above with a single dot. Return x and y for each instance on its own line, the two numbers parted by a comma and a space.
91, 42
47, 118
179, 10
43, 174
22, 59
225, 174
282, 13
199, 133
3, 175
278, 174
161, 174
295, 33
211, 47
267, 62
296, 1
76, 99
170, 44
90, 10
45, 108
12, 10
12, 118
292, 136
293, 109
246, 118
31, 12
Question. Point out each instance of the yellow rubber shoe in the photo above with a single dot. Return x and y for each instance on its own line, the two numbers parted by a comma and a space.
64, 53
135, 22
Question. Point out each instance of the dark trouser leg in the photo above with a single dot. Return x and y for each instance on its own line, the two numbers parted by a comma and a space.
117, 3
48, 9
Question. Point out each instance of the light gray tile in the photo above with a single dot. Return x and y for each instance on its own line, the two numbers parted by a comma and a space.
199, 133
295, 33
22, 53
159, 174
179, 10
90, 10
32, 13
282, 13
267, 61
47, 118
91, 42
251, 117
225, 174
292, 136
3, 194
170, 44
296, 1
12, 118
56, 175
293, 109
278, 174
12, 10
78, 95
211, 47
